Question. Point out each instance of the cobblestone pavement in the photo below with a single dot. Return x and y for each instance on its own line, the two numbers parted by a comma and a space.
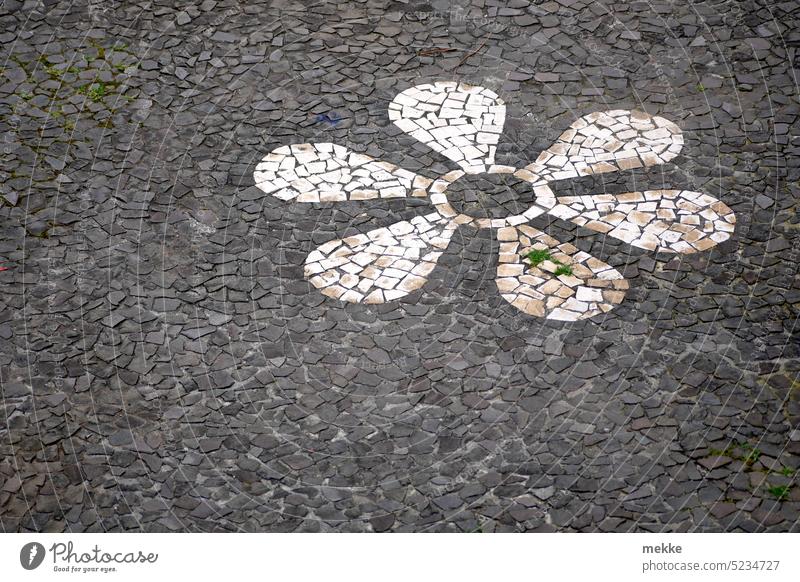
167, 366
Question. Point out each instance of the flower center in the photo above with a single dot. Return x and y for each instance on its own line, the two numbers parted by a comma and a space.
490, 195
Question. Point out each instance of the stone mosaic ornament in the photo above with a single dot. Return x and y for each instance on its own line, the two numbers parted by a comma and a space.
464, 123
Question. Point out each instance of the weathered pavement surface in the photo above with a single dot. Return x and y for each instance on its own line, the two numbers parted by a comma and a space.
165, 365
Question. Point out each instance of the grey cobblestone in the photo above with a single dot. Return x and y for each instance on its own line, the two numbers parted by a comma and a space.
165, 365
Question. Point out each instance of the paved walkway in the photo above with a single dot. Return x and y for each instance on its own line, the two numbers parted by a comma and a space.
482, 309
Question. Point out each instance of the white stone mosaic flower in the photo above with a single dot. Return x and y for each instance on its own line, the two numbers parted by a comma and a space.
464, 123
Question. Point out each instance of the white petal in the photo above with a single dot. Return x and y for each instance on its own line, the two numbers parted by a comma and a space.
609, 141
325, 172
383, 264
588, 288
678, 221
462, 122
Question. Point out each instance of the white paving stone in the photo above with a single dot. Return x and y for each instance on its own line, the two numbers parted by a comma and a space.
468, 121
327, 173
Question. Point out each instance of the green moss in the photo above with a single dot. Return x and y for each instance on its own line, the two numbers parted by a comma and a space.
538, 256
101, 50
563, 270
94, 91
780, 492
97, 91
61, 70
750, 454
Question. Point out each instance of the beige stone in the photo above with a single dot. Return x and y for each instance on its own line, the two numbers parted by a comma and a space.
530, 306
333, 291
510, 270
507, 284
589, 295
410, 283
374, 297
507, 234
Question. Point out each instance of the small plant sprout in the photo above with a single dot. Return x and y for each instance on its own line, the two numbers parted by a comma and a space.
563, 270
96, 91
780, 492
539, 256
752, 454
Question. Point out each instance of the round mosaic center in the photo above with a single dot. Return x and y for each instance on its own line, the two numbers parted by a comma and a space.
490, 195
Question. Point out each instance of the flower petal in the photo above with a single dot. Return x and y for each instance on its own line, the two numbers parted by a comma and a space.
607, 141
587, 288
462, 122
382, 265
677, 221
325, 172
